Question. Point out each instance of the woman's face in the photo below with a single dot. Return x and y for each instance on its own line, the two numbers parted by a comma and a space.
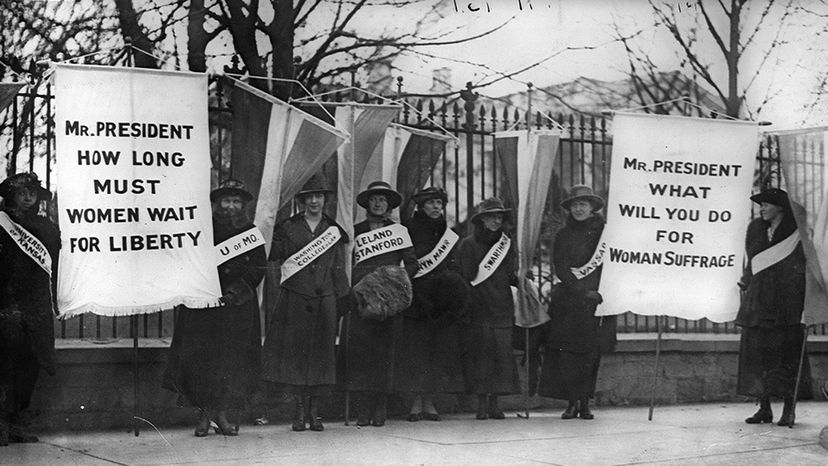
770, 212
581, 209
25, 198
493, 221
231, 204
377, 205
433, 208
314, 203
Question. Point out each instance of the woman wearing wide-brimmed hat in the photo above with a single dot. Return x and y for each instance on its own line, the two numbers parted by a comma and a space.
577, 338
488, 261
214, 358
771, 311
379, 290
298, 357
27, 341
428, 350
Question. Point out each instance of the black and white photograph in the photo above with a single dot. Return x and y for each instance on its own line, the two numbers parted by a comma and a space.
413, 232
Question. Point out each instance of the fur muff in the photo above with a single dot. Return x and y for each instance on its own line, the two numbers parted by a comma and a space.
383, 293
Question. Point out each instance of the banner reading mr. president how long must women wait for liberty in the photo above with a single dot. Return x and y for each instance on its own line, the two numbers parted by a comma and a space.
133, 178
676, 216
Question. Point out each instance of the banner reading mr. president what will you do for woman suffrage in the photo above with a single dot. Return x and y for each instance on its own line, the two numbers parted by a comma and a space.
133, 177
676, 216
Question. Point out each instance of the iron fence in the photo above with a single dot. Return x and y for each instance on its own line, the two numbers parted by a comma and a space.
469, 173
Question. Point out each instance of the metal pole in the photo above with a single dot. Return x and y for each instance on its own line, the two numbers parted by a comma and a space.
655, 369
134, 331
799, 371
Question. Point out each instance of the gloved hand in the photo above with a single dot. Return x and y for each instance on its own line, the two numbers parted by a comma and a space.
229, 299
594, 296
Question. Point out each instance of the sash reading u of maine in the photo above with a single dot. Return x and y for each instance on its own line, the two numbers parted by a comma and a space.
239, 244
309, 253
434, 258
492, 260
380, 241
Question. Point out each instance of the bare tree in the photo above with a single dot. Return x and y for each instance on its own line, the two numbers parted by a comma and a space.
725, 46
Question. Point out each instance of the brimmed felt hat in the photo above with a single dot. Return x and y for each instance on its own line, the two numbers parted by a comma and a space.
24, 180
380, 187
432, 192
583, 192
316, 184
491, 205
231, 187
773, 196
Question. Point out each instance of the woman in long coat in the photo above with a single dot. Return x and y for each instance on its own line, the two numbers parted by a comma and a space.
299, 351
489, 364
771, 309
577, 338
428, 350
214, 357
27, 341
369, 358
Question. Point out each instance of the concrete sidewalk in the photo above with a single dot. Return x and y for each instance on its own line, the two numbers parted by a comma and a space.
688, 434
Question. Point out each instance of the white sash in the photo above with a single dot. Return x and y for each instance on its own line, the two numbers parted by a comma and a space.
309, 253
431, 260
775, 253
239, 244
492, 260
593, 263
380, 241
27, 243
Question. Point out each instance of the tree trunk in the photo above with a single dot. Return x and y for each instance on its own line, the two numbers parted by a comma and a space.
734, 102
130, 28
197, 37
281, 41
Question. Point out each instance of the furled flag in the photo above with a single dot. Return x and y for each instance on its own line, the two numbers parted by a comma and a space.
276, 149
805, 170
527, 158
8, 91
405, 159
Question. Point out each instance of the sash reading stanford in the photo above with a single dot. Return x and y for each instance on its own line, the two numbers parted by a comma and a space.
130, 129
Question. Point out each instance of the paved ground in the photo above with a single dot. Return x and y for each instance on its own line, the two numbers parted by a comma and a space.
689, 434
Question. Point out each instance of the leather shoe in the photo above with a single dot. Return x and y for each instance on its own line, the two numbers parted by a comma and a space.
203, 427
497, 414
760, 417
482, 416
431, 417
414, 417
787, 419
316, 424
584, 412
363, 421
571, 411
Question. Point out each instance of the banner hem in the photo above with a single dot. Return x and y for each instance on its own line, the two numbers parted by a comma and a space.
122, 311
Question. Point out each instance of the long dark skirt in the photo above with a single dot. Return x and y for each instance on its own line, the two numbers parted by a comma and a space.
214, 356
19, 369
428, 357
489, 363
367, 359
569, 376
768, 359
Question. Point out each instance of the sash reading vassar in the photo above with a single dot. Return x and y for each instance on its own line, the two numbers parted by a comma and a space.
380, 241
239, 244
27, 243
492, 260
431, 260
309, 253
775, 253
593, 263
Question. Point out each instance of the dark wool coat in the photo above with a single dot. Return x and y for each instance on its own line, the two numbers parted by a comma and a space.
770, 314
488, 365
300, 345
214, 357
574, 326
428, 350
368, 363
27, 340
576, 337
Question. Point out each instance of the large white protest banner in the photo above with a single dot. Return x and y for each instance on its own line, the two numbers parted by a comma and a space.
676, 217
133, 178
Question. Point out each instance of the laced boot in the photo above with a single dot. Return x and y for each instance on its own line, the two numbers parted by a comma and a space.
379, 410
482, 408
584, 410
298, 414
313, 414
763, 415
571, 410
364, 408
788, 415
